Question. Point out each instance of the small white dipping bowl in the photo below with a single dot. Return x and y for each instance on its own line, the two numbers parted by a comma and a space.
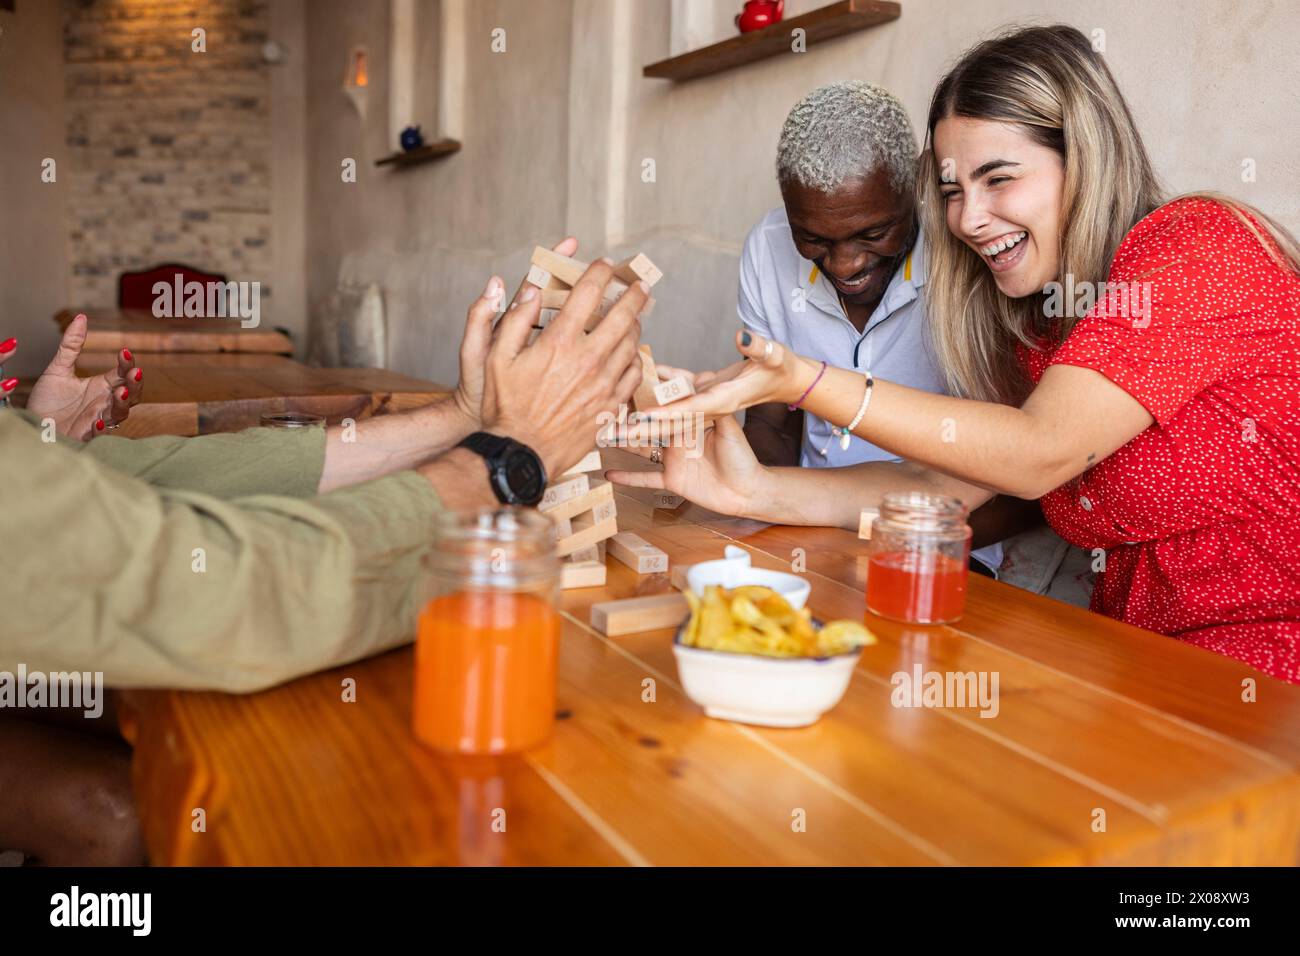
768, 691
734, 570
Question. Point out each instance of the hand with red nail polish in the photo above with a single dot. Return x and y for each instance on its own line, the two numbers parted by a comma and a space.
84, 407
6, 347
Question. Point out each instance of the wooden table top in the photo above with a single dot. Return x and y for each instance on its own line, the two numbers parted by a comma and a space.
135, 329
202, 393
1094, 716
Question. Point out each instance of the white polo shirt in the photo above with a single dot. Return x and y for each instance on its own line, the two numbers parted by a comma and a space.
784, 297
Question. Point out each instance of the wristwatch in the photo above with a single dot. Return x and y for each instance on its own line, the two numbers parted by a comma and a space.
517, 474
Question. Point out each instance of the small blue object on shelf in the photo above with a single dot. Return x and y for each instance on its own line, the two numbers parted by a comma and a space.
411, 138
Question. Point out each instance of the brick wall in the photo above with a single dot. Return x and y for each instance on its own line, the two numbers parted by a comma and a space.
168, 149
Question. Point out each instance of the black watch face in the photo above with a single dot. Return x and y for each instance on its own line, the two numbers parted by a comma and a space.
524, 476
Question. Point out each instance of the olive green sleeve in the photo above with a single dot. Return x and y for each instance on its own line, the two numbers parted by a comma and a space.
159, 587
281, 461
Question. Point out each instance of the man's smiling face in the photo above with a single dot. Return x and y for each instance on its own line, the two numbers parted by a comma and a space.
857, 234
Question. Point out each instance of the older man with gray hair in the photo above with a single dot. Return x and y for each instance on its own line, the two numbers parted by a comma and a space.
838, 273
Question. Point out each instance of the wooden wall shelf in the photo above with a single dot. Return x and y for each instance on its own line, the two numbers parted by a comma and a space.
413, 157
824, 23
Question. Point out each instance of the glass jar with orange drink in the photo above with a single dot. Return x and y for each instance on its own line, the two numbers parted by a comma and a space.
489, 634
917, 563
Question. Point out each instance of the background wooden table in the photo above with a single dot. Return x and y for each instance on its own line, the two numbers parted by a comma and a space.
111, 329
199, 393
1094, 716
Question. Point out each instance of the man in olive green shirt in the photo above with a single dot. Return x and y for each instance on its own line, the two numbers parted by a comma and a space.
214, 562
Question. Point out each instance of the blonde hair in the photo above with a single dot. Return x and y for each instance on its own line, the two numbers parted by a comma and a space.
1050, 83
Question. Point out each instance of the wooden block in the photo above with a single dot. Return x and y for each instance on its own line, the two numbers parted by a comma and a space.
586, 537
551, 298
678, 576
542, 279
600, 493
590, 462
644, 396
603, 511
592, 553
633, 615
638, 267
561, 491
864, 522
582, 574
637, 553
673, 389
666, 499
567, 270
562, 528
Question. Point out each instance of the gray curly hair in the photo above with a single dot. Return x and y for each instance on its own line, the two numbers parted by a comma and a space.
842, 131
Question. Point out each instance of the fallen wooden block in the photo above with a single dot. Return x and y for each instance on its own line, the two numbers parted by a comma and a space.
638, 267
561, 491
678, 576
582, 574
590, 462
637, 553
673, 389
632, 615
666, 499
588, 536
864, 522
600, 493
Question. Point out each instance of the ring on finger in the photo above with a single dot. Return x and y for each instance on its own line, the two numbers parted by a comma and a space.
656, 455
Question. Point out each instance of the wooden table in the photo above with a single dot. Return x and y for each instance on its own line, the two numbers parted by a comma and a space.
202, 393
138, 330
1094, 716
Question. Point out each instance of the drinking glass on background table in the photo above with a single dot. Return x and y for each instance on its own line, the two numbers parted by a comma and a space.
917, 563
291, 420
488, 637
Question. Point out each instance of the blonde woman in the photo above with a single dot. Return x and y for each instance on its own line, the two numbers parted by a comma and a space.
1159, 421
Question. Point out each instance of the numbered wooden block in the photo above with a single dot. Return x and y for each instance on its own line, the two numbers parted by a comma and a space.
673, 389
561, 491
600, 493
542, 279
638, 267
666, 499
637, 553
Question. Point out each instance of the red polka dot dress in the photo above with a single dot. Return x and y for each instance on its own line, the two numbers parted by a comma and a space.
1199, 515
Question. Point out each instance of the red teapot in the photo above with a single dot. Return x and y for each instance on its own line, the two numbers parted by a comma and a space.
759, 14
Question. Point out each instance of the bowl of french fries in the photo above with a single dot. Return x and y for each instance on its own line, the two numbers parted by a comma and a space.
746, 655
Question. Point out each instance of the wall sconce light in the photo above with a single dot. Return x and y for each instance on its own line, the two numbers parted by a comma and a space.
356, 81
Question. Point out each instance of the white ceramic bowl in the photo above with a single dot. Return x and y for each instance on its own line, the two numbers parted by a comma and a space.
768, 691
734, 570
